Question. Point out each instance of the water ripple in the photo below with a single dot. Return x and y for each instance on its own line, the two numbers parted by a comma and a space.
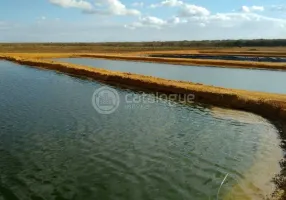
54, 145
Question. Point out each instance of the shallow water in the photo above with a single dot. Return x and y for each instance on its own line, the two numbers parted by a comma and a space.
54, 144
223, 57
247, 79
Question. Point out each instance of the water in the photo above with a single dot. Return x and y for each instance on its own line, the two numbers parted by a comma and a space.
247, 79
54, 145
223, 57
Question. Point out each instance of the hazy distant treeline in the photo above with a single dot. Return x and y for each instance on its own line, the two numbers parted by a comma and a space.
204, 43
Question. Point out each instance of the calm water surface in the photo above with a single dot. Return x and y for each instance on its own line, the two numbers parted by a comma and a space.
247, 79
54, 145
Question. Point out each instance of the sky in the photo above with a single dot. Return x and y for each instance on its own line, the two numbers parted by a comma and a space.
140, 20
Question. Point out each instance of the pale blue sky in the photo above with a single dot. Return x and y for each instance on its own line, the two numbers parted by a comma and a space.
142, 20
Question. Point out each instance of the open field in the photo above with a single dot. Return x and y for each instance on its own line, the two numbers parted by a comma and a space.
129, 47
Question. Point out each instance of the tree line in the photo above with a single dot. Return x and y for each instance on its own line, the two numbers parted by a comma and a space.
185, 43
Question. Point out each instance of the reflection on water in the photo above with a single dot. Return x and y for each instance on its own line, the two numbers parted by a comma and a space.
54, 145
247, 79
239, 116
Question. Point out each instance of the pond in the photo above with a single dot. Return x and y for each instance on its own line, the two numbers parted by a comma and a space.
247, 79
55, 145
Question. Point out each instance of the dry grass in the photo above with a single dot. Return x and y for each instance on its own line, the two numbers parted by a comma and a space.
77, 48
129, 47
